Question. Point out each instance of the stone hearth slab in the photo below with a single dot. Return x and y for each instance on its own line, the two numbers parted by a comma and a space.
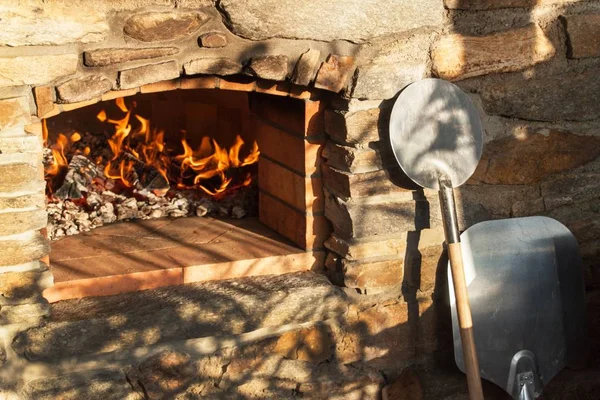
142, 255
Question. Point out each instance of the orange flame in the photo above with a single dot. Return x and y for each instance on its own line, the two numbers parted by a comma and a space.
145, 146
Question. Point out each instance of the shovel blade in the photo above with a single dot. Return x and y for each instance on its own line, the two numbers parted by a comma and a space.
525, 286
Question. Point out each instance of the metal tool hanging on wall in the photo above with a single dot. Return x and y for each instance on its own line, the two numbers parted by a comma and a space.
436, 137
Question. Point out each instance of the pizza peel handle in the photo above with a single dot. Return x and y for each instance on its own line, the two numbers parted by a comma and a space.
436, 137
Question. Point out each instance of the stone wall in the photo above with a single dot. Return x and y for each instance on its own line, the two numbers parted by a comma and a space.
530, 67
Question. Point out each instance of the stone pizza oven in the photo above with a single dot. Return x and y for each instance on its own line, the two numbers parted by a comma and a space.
360, 299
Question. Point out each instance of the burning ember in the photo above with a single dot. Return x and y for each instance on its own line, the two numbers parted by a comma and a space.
137, 173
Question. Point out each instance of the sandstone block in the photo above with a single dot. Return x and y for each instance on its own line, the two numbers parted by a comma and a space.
22, 287
584, 35
386, 65
103, 57
212, 66
519, 97
273, 68
534, 157
27, 314
358, 218
477, 203
358, 160
98, 384
384, 247
575, 186
44, 99
161, 26
335, 73
352, 20
131, 78
458, 57
84, 88
166, 373
370, 275
20, 144
358, 127
14, 112
476, 5
306, 67
349, 185
213, 40
22, 221
23, 176
36, 200
51, 24
36, 70
23, 248
310, 344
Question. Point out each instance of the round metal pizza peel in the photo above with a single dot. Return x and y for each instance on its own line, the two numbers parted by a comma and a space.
436, 137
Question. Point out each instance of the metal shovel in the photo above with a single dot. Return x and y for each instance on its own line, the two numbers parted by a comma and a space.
436, 137
525, 283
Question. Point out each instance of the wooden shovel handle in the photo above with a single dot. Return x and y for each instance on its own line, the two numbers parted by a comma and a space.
465, 321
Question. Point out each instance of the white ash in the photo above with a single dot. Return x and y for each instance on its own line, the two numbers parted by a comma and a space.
70, 217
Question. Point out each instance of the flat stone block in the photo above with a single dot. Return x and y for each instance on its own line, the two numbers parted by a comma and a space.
352, 20
23, 287
20, 177
213, 66
131, 78
162, 26
21, 221
335, 73
359, 127
458, 57
14, 112
36, 70
23, 248
84, 88
583, 32
103, 57
273, 68
37, 200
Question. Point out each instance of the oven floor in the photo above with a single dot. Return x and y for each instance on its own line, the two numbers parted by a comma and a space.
142, 255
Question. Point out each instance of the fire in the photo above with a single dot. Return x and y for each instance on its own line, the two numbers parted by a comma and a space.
141, 157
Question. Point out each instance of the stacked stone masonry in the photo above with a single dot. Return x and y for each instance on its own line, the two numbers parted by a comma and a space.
529, 66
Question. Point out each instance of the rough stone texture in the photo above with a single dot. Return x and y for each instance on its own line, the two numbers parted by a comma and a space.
35, 70
379, 216
372, 274
161, 26
213, 40
477, 203
386, 247
577, 185
213, 66
20, 144
44, 99
353, 20
20, 287
358, 160
90, 385
135, 77
357, 127
542, 98
346, 185
21, 221
335, 73
165, 374
532, 158
24, 176
583, 32
497, 4
103, 57
26, 314
274, 68
390, 63
306, 67
51, 24
457, 56
14, 112
83, 88
312, 344
23, 248
37, 200
191, 311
